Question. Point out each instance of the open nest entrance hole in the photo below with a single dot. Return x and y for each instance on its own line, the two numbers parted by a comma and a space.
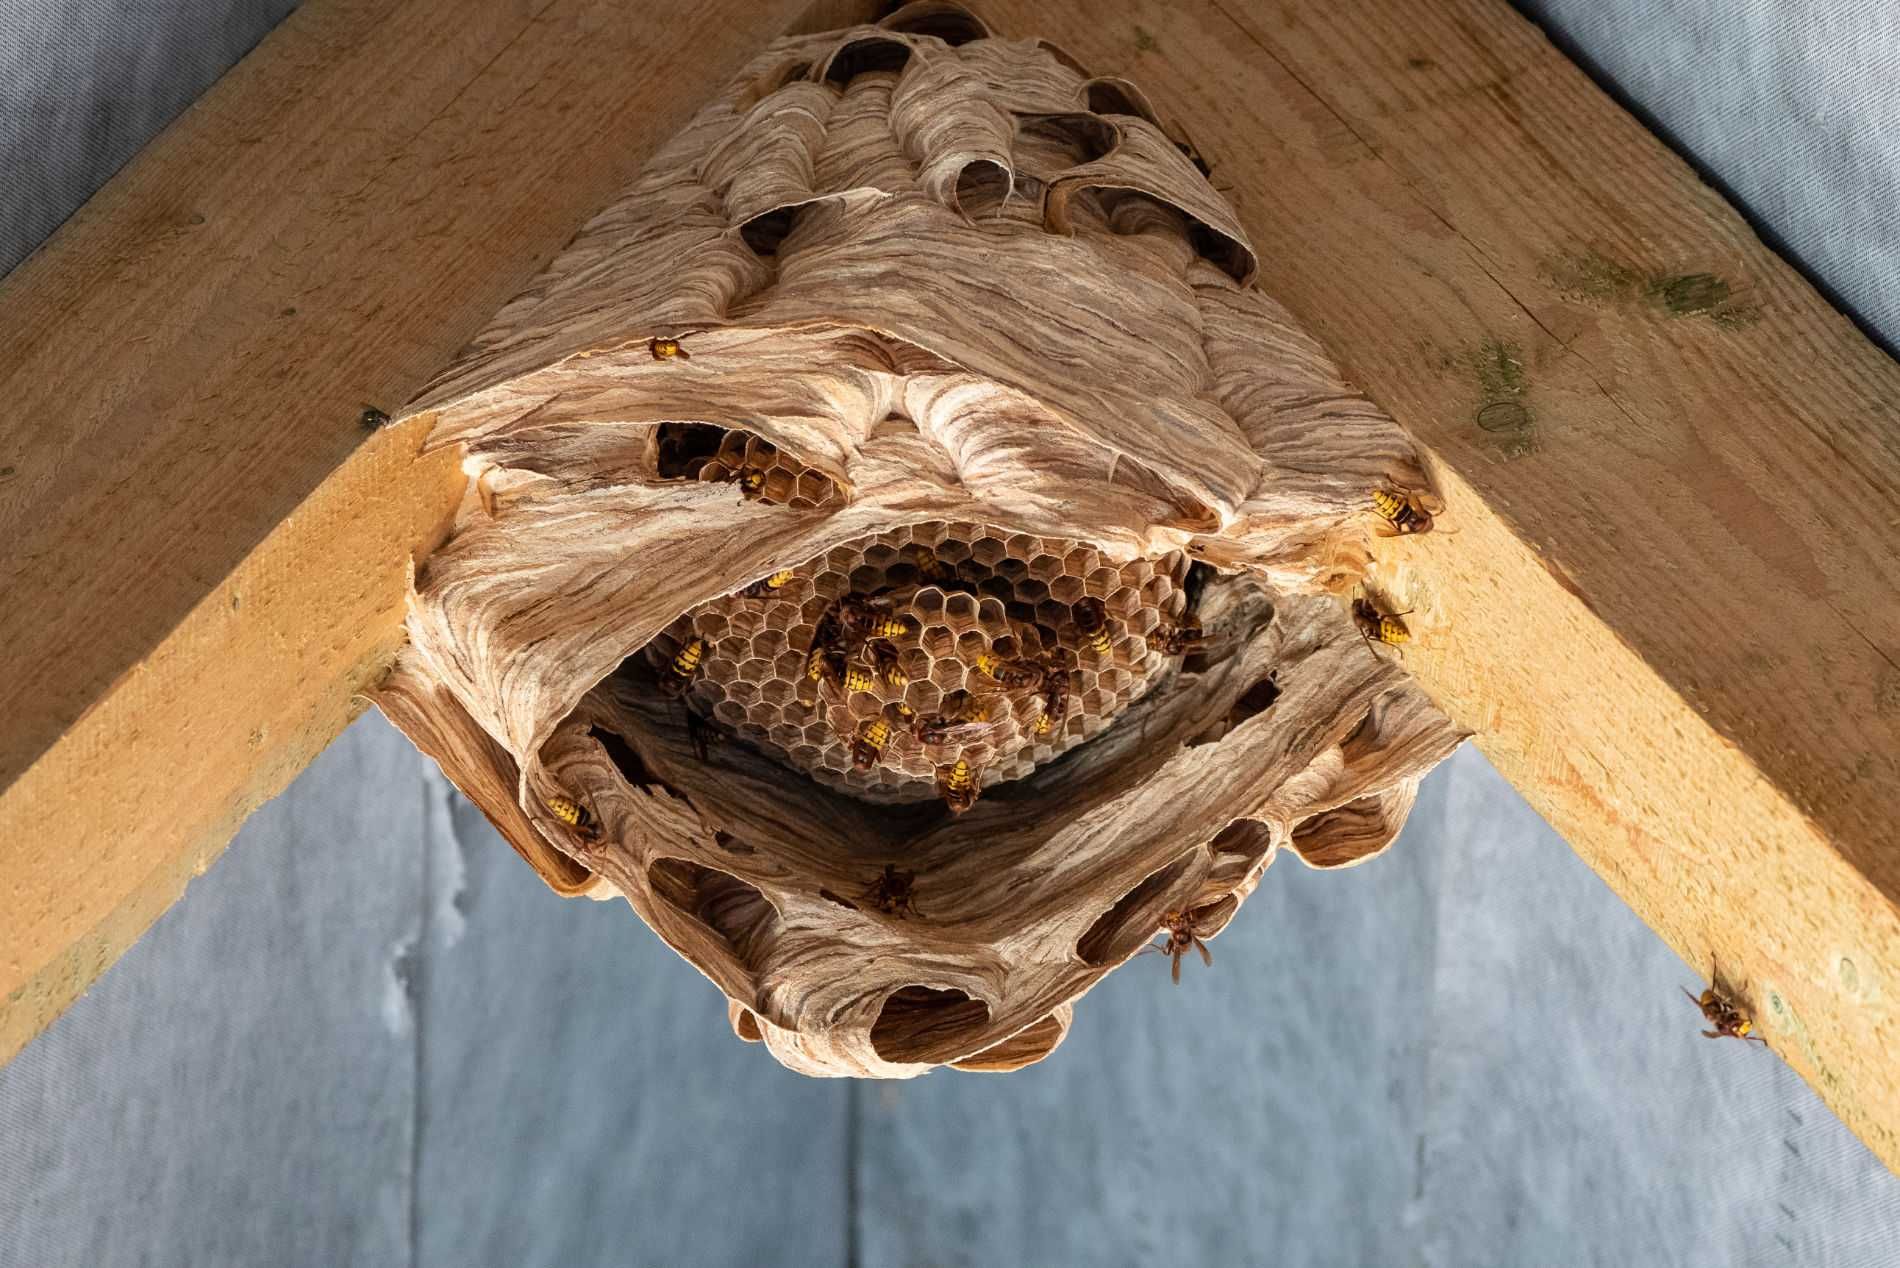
999, 650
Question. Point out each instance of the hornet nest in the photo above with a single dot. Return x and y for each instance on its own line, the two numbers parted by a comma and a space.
900, 555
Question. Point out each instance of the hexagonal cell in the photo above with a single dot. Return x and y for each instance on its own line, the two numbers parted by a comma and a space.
775, 689
1081, 561
928, 604
1050, 615
1045, 567
959, 611
937, 641
780, 486
709, 624
998, 588
987, 551
1103, 581
1030, 590
1064, 590
766, 645
947, 672
1122, 601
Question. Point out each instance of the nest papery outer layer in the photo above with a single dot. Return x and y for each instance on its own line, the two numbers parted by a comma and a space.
957, 324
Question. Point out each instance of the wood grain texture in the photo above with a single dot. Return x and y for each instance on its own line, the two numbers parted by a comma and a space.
1668, 604
205, 560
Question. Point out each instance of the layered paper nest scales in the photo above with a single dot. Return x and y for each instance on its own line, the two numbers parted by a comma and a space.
967, 339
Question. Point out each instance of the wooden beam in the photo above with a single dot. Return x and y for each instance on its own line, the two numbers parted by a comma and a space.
204, 551
1667, 595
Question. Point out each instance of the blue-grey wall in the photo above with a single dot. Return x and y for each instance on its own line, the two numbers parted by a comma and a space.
369, 1036
84, 85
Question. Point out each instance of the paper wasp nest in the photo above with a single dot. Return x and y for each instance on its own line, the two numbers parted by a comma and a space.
902, 550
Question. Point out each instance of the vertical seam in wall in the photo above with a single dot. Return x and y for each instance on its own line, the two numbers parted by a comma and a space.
853, 1125
1422, 1230
418, 1017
